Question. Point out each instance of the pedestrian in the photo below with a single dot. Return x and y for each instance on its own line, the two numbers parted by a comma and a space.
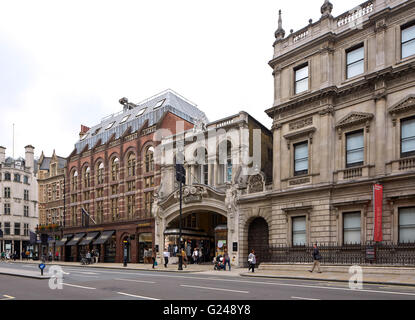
88, 257
252, 261
96, 256
184, 257
227, 260
57, 256
316, 259
153, 257
3, 256
195, 256
166, 255
188, 251
15, 255
50, 255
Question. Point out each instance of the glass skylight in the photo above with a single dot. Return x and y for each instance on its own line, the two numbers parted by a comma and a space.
141, 112
159, 104
125, 118
110, 125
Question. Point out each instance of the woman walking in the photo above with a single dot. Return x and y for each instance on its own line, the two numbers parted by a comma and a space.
252, 261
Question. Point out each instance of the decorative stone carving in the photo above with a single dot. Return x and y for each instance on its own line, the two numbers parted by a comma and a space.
306, 132
301, 123
191, 194
299, 181
405, 105
231, 202
352, 119
256, 183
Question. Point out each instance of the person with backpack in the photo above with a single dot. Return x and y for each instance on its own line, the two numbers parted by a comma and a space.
316, 259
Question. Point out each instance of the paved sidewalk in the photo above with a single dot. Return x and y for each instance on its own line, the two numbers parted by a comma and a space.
23, 273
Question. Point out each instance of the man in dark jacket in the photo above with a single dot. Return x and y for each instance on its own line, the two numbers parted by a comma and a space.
316, 258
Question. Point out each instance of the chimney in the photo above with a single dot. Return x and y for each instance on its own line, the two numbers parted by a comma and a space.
84, 130
2, 154
30, 157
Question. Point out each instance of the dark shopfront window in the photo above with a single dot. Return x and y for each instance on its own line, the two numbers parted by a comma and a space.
110, 249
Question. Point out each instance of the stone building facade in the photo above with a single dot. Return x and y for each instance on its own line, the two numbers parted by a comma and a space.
343, 120
51, 184
18, 201
220, 167
111, 175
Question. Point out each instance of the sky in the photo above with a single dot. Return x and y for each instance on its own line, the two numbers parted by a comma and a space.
67, 63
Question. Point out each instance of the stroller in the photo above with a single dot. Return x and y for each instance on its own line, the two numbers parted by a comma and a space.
219, 263
84, 260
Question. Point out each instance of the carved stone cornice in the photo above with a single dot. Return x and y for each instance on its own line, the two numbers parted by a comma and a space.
402, 106
309, 132
327, 111
354, 118
276, 125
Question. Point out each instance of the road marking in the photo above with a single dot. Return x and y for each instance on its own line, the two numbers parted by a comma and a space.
300, 298
7, 297
88, 272
141, 281
135, 296
208, 288
86, 276
73, 285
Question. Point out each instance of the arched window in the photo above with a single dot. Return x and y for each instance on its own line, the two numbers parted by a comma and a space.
87, 177
100, 173
131, 165
7, 176
225, 162
75, 181
17, 177
149, 159
115, 169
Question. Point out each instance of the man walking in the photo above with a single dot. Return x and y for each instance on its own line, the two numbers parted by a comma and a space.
227, 260
166, 255
316, 258
252, 261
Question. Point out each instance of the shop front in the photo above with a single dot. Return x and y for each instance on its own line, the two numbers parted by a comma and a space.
75, 254
145, 247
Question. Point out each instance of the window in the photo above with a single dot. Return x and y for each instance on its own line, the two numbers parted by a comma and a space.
130, 206
100, 212
17, 177
299, 231
124, 119
115, 166
229, 162
87, 195
301, 158
75, 181
87, 177
110, 125
7, 192
100, 175
408, 137
355, 61
7, 176
148, 204
74, 217
354, 149
114, 209
408, 41
7, 209
301, 79
149, 159
26, 179
17, 229
149, 182
84, 137
26, 230
7, 228
26, 195
114, 189
100, 192
407, 225
130, 185
159, 104
26, 211
351, 228
131, 165
202, 166
141, 112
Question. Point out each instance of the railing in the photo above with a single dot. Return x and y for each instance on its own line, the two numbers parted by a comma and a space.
352, 173
334, 254
406, 164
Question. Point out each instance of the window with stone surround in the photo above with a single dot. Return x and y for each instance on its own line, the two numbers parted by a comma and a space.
74, 182
408, 40
87, 177
7, 209
299, 231
114, 209
301, 158
7, 228
26, 195
17, 229
26, 211
100, 173
17, 177
301, 79
7, 176
351, 227
355, 60
131, 165
74, 216
115, 169
407, 225
100, 212
26, 230
149, 159
7, 192
148, 202
130, 206
355, 149
408, 137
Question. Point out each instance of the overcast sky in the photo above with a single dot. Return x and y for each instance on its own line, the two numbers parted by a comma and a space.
67, 63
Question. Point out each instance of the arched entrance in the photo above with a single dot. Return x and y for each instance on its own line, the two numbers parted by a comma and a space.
258, 239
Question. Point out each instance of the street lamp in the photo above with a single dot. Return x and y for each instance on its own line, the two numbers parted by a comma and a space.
181, 178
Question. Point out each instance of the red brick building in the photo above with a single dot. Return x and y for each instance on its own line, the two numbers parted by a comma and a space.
112, 175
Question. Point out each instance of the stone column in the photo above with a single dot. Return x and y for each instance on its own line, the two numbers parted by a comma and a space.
277, 156
380, 130
326, 159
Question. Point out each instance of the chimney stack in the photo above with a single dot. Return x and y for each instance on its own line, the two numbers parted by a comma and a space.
30, 157
84, 130
2, 154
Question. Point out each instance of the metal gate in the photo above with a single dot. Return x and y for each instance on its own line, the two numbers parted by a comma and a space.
258, 239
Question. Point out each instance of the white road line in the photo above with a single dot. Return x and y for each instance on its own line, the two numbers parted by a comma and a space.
87, 272
141, 281
208, 288
135, 296
7, 297
300, 298
86, 276
73, 285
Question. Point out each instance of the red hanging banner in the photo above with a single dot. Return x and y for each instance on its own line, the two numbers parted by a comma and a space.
377, 210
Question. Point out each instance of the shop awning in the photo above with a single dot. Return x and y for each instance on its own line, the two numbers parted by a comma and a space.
64, 239
76, 239
104, 237
89, 237
52, 241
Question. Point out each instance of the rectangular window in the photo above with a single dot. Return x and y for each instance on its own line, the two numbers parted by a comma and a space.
7, 209
148, 204
7, 228
354, 149
131, 185
408, 137
351, 228
355, 61
299, 231
100, 212
26, 211
26, 229
26, 195
114, 189
301, 79
301, 158
407, 225
17, 229
408, 41
114, 209
130, 206
7, 193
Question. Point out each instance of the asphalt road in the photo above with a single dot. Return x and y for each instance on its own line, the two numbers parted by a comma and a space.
111, 284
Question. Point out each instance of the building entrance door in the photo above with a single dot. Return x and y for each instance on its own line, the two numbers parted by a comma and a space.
258, 239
